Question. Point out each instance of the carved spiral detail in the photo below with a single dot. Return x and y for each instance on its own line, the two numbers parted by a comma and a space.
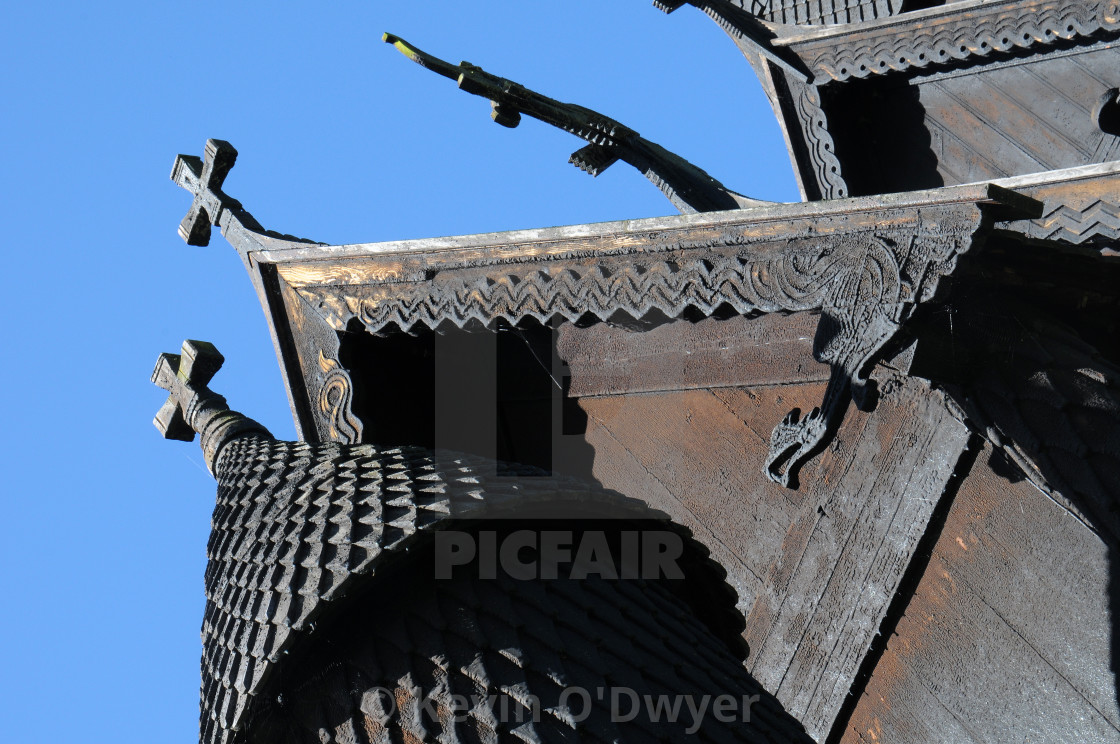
865, 305
335, 396
968, 37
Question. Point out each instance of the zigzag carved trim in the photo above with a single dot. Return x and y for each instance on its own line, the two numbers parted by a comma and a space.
1071, 225
793, 12
984, 30
866, 283
800, 276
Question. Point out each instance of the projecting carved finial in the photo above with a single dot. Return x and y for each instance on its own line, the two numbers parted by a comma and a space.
191, 406
185, 376
689, 188
204, 178
791, 443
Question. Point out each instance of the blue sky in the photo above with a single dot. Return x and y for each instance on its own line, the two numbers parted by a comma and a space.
341, 140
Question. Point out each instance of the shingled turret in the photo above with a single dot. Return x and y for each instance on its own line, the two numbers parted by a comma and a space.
297, 527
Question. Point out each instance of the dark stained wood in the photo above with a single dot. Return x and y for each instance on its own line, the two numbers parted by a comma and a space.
982, 123
766, 350
184, 376
913, 589
299, 526
865, 264
1030, 116
805, 12
1082, 205
203, 178
923, 94
193, 407
311, 347
815, 569
1008, 631
689, 188
935, 37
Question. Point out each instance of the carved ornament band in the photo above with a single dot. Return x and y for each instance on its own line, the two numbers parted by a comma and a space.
744, 274
948, 34
866, 281
865, 263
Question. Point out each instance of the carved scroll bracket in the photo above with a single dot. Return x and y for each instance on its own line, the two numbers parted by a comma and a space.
865, 264
865, 308
860, 315
323, 392
325, 402
336, 393
320, 390
865, 281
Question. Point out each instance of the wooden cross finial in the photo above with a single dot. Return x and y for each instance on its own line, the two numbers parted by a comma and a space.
193, 407
204, 178
185, 376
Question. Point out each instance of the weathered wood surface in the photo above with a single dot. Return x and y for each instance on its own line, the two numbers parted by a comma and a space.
1008, 635
801, 12
767, 350
192, 407
1031, 116
1081, 205
1008, 629
955, 93
298, 526
689, 188
815, 569
971, 32
309, 352
866, 264
980, 123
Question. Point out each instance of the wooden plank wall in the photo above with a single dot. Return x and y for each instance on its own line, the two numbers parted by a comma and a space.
770, 349
1024, 117
815, 568
1008, 636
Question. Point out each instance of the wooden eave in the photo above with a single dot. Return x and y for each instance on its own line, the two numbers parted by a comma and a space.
824, 574
863, 264
782, 258
967, 32
956, 93
312, 292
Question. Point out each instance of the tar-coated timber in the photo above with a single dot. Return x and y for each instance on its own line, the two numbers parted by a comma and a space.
883, 421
